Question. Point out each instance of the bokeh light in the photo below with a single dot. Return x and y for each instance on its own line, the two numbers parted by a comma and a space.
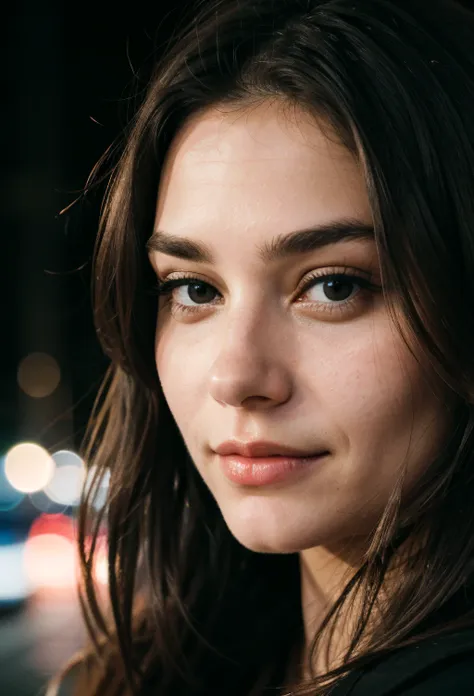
10, 497
66, 485
13, 579
43, 503
38, 375
102, 490
50, 553
53, 524
50, 561
67, 457
29, 467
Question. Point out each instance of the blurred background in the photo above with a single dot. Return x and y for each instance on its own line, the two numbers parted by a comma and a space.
72, 77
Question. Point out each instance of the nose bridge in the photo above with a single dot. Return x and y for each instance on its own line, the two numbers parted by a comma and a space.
250, 360
250, 329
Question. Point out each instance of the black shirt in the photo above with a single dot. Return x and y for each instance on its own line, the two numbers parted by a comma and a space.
442, 666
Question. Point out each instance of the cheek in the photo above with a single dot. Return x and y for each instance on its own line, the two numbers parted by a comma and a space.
379, 403
174, 380
361, 375
181, 365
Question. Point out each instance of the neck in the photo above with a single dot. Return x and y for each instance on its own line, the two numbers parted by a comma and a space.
324, 574
325, 571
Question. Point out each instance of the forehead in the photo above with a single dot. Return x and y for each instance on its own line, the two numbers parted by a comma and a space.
258, 168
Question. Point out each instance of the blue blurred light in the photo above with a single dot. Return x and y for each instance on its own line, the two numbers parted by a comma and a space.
13, 579
7, 537
44, 504
9, 496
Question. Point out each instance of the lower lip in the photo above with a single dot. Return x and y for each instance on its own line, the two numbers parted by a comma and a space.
262, 471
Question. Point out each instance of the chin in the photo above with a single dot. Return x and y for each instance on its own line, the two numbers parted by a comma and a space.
260, 545
265, 537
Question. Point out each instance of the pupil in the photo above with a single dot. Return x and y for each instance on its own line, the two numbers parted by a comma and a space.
197, 292
338, 290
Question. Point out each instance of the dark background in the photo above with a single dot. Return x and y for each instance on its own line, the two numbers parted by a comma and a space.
71, 76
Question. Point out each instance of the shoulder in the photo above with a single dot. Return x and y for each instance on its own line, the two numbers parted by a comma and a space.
433, 667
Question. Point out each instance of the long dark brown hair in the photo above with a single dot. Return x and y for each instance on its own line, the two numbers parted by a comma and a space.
191, 610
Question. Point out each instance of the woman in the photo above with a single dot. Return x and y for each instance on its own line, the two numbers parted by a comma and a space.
284, 283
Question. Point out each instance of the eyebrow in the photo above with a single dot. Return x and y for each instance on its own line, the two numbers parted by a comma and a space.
283, 245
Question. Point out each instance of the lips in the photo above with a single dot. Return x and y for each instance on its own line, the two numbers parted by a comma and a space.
263, 448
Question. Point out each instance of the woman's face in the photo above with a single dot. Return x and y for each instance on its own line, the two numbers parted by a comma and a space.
259, 346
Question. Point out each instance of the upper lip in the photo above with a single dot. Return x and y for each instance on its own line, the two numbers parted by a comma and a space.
262, 448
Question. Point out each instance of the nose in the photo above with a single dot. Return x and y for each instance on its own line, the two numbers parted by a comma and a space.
251, 369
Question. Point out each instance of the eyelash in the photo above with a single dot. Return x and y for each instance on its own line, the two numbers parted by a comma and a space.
165, 288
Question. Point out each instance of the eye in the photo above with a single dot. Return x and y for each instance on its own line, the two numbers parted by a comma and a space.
340, 292
187, 294
337, 295
333, 288
195, 292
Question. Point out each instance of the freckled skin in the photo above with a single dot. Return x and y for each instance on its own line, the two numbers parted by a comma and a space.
258, 364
